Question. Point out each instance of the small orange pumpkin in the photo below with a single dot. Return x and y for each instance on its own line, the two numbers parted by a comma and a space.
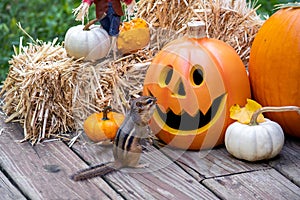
103, 126
195, 81
274, 67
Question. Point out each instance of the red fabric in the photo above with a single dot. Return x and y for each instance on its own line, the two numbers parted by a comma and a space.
127, 1
92, 1
88, 1
102, 6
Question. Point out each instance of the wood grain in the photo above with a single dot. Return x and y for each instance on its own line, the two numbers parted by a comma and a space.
211, 163
8, 191
262, 184
289, 162
42, 171
163, 179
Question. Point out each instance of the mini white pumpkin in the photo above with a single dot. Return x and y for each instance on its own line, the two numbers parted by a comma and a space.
256, 141
91, 42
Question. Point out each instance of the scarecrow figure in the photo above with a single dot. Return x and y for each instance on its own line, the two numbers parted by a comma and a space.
108, 13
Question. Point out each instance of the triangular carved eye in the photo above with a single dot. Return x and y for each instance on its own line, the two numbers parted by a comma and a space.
166, 76
169, 76
197, 75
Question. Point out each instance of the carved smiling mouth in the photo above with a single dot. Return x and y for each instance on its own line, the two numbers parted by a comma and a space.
187, 122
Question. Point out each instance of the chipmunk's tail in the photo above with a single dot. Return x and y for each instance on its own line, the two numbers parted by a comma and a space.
94, 171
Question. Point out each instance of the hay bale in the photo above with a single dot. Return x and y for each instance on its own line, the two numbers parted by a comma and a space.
114, 82
38, 90
234, 22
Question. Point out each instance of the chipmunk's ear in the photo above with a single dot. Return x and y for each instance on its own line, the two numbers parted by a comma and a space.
131, 101
139, 104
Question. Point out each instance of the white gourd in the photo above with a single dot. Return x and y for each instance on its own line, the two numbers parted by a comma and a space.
257, 141
254, 142
92, 44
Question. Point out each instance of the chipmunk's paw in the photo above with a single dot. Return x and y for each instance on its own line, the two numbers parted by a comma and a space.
144, 165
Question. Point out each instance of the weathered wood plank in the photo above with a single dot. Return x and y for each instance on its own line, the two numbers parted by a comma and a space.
289, 162
8, 191
262, 184
211, 163
42, 171
163, 179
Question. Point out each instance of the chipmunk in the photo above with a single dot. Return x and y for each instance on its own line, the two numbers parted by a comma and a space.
127, 146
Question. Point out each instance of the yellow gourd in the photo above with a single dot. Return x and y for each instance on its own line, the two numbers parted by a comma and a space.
134, 35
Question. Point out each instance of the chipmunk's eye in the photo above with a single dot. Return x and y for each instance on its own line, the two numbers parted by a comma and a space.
149, 101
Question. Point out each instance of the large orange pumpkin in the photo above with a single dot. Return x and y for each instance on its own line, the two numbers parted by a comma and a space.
274, 67
195, 82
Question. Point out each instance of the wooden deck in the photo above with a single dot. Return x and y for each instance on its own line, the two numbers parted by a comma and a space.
42, 172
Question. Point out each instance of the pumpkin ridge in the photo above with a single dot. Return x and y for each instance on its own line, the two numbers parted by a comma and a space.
271, 142
256, 134
93, 49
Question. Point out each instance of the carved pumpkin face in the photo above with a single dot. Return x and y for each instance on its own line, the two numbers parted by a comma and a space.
194, 91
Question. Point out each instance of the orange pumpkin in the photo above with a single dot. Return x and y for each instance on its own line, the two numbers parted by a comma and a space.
195, 82
274, 67
102, 126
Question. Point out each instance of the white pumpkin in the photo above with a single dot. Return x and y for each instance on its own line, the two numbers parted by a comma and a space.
254, 142
92, 44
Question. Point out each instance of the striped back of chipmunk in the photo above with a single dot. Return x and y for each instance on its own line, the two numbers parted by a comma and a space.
124, 138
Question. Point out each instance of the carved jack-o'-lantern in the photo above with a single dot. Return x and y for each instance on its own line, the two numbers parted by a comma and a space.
195, 81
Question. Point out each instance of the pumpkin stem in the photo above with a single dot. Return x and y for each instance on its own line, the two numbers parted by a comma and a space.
87, 26
106, 110
253, 120
196, 29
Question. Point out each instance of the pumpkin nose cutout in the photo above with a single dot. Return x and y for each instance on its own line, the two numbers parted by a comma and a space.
179, 90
